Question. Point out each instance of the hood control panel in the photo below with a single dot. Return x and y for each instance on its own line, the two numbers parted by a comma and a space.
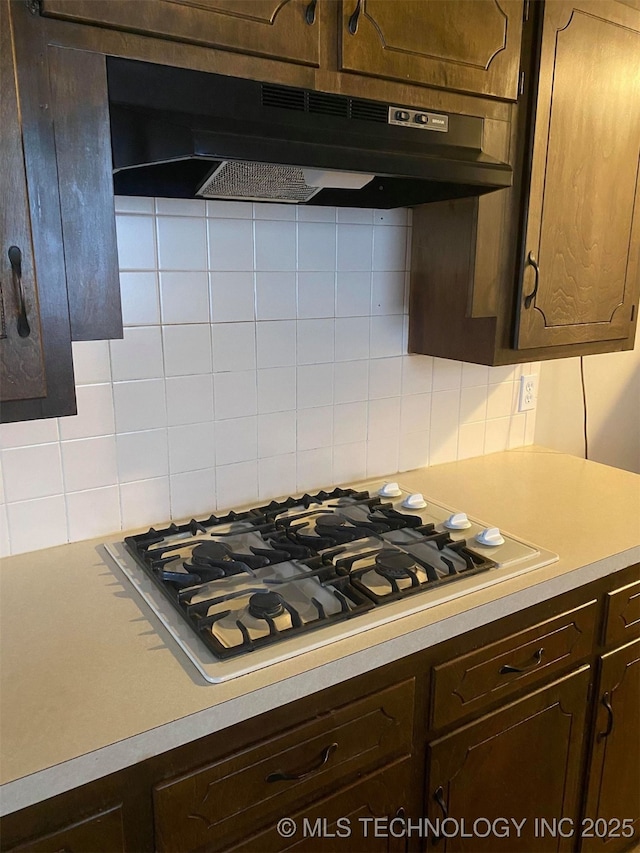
418, 118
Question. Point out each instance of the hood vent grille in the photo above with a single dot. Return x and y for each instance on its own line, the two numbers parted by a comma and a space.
322, 103
257, 182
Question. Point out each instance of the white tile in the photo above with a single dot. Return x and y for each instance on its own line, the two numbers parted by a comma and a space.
473, 403
191, 447
95, 512
235, 394
385, 378
275, 246
316, 294
447, 374
32, 472
230, 209
139, 296
143, 455
530, 429
503, 373
277, 476
276, 389
471, 440
184, 297
136, 242
139, 405
389, 248
138, 355
417, 374
496, 437
315, 428
230, 244
387, 293
517, 430
182, 243
24, 433
89, 463
353, 294
180, 207
395, 216
355, 247
145, 503
415, 414
193, 493
91, 362
414, 451
350, 423
314, 469
187, 349
237, 484
500, 400
382, 457
349, 462
315, 343
189, 399
387, 336
276, 343
316, 246
95, 413
232, 296
268, 210
236, 440
133, 204
352, 338
474, 374
443, 438
315, 213
384, 419
351, 381
275, 295
51, 529
314, 385
355, 215
5, 545
234, 346
276, 434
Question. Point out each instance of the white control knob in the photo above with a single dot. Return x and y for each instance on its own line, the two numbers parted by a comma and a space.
390, 490
458, 521
490, 536
415, 501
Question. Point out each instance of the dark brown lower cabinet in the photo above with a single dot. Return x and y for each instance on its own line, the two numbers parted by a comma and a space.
520, 764
614, 784
100, 833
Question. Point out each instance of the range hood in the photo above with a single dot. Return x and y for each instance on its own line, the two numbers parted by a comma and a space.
190, 134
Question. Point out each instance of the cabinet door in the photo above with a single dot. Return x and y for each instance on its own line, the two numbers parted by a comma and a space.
614, 780
101, 833
466, 46
519, 763
581, 269
284, 29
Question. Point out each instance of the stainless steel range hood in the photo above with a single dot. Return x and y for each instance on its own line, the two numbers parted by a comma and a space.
188, 134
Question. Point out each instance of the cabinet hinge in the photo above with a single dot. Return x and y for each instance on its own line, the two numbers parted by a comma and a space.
525, 10
589, 692
34, 6
521, 84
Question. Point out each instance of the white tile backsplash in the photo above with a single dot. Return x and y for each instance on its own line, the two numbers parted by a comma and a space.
264, 354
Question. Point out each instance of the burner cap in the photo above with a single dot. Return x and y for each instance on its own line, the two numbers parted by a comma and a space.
331, 520
265, 604
394, 564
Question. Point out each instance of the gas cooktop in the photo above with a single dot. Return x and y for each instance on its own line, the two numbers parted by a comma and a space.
248, 589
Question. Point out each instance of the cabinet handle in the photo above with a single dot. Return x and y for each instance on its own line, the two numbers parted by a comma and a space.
537, 659
353, 20
531, 260
438, 796
606, 701
296, 776
310, 12
15, 259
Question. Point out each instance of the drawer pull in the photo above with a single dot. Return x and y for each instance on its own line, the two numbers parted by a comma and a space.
438, 796
537, 659
606, 701
15, 259
325, 755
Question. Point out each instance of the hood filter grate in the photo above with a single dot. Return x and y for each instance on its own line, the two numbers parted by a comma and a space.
244, 181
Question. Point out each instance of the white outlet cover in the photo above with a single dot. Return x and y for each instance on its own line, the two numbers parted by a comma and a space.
528, 392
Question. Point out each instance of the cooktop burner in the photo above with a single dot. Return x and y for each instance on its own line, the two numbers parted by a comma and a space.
283, 578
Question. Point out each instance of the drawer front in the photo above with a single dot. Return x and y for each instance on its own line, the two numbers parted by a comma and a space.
204, 808
472, 681
101, 833
623, 614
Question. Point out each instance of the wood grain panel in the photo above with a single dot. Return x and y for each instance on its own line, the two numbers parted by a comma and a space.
623, 614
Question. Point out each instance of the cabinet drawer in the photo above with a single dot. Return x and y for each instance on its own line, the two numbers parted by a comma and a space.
101, 833
623, 614
472, 681
205, 807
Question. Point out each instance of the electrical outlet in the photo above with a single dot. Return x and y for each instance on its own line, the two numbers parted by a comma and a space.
528, 393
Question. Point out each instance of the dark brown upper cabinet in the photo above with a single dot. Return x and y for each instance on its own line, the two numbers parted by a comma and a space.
582, 250
467, 46
284, 29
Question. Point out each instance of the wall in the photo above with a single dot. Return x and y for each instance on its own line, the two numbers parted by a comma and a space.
263, 355
612, 382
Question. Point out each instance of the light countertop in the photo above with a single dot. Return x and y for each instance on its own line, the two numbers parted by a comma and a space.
91, 683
